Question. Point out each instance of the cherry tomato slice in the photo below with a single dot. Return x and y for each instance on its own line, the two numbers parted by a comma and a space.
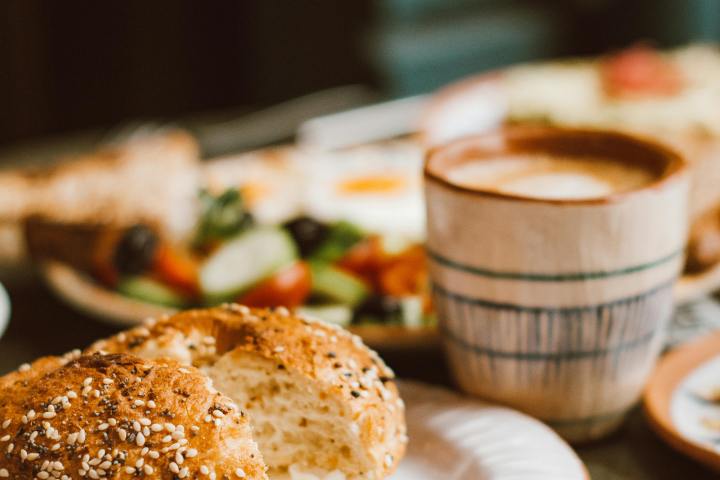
640, 71
177, 269
290, 287
366, 260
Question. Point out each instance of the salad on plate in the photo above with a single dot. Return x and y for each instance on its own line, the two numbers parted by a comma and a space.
335, 270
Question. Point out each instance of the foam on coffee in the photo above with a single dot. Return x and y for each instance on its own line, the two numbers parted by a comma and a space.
551, 177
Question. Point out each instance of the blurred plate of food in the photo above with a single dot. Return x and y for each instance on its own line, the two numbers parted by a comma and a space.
682, 399
335, 235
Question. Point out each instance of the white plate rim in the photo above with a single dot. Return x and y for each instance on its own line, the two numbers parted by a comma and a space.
425, 397
5, 310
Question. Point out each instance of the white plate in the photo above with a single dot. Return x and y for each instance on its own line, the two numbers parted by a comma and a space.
458, 438
4, 310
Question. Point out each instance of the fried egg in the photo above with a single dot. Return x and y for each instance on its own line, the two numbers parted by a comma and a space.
378, 188
268, 180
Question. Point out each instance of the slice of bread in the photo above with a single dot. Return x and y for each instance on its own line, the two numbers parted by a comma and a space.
318, 399
118, 416
151, 180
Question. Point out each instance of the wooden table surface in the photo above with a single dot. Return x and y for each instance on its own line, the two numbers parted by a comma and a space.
42, 325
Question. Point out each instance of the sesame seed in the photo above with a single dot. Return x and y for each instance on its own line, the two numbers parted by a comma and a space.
239, 472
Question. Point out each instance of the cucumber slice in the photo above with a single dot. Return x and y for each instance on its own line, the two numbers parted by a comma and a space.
336, 286
337, 314
149, 290
244, 261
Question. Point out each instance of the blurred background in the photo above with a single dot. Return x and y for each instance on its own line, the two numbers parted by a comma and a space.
77, 65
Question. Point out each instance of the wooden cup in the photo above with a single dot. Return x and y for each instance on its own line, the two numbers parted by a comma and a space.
556, 307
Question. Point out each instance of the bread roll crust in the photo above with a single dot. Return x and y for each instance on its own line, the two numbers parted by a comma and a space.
329, 356
118, 417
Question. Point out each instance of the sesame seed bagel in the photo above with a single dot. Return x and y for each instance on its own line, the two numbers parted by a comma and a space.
318, 398
120, 417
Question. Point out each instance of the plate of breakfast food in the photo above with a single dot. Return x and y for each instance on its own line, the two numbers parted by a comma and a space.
234, 392
335, 236
682, 399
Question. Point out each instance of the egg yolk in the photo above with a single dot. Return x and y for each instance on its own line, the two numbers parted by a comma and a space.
372, 184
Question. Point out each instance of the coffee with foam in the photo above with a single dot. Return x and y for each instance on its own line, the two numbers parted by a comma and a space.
550, 176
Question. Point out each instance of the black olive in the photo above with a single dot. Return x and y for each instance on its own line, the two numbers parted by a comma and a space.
135, 251
380, 308
308, 233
